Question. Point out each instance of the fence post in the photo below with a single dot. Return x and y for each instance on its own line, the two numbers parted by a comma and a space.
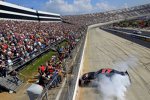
46, 93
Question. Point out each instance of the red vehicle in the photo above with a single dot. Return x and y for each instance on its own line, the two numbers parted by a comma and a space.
87, 78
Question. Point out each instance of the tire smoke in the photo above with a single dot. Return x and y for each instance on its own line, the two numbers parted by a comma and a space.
124, 65
115, 87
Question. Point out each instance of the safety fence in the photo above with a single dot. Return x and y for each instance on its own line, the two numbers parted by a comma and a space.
75, 71
72, 71
72, 67
44, 94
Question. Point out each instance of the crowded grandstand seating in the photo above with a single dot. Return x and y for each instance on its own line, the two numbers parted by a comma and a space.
139, 23
88, 19
21, 41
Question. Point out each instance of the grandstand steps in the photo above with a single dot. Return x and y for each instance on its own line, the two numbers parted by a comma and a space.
9, 83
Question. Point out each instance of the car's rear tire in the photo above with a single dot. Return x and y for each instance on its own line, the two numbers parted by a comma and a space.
80, 82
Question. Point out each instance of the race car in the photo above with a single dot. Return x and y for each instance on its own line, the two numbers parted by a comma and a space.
87, 78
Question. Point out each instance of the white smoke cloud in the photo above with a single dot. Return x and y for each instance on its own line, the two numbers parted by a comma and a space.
114, 87
123, 65
77, 7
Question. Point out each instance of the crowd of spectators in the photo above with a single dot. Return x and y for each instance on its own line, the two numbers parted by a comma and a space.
19, 41
89, 19
51, 71
55, 69
140, 23
22, 40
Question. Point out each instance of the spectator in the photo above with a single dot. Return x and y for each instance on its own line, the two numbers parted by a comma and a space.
10, 63
41, 69
3, 70
15, 77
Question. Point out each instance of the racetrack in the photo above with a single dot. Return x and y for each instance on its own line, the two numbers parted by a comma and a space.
102, 50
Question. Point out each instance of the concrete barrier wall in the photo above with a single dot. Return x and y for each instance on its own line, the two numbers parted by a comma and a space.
16, 12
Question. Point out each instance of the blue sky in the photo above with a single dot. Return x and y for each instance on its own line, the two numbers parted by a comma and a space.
77, 6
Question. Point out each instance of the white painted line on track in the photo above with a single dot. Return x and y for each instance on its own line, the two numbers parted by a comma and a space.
60, 91
80, 69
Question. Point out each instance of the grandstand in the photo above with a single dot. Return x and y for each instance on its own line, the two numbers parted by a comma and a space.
27, 34
11, 11
89, 19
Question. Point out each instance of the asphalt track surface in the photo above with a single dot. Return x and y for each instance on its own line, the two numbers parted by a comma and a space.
144, 33
103, 49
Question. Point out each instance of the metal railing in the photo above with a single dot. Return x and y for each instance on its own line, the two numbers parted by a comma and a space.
75, 61
44, 94
20, 64
75, 70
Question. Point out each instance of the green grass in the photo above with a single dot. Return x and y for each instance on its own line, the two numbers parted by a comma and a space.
30, 70
63, 43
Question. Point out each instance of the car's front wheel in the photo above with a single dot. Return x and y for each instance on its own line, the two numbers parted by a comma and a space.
81, 82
